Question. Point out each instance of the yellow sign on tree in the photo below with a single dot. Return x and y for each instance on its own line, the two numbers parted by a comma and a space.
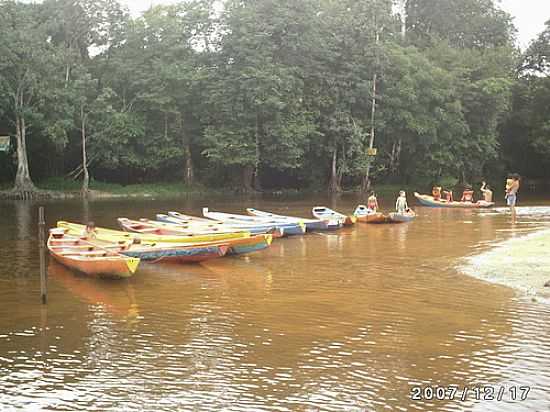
372, 151
4, 143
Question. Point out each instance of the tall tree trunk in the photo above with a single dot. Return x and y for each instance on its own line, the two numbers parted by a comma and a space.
403, 15
395, 156
248, 176
398, 155
257, 183
189, 177
86, 175
366, 183
340, 172
333, 186
23, 182
189, 172
67, 75
392, 157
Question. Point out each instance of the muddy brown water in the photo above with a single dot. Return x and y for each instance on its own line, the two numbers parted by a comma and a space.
346, 321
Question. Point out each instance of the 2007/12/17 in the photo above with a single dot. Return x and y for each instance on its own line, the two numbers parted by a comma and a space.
484, 393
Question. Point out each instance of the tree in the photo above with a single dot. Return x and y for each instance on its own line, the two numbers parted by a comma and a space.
28, 72
476, 24
76, 28
256, 88
537, 56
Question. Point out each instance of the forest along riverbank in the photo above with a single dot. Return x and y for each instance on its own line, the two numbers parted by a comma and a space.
522, 263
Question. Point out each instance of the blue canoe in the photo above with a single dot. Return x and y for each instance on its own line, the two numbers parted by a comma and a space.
429, 201
233, 219
311, 224
401, 217
255, 229
322, 212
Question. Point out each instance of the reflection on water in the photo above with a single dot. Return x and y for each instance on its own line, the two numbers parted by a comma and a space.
334, 321
115, 298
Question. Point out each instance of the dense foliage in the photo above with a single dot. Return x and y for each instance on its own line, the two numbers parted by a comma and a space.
270, 93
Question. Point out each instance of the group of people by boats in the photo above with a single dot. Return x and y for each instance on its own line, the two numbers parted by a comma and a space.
370, 213
441, 197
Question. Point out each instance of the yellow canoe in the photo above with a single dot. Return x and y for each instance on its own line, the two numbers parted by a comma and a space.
117, 235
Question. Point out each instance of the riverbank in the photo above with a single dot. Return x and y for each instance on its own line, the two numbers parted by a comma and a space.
56, 188
522, 263
59, 188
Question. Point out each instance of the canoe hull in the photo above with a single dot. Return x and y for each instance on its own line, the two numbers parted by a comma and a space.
324, 213
401, 217
366, 215
322, 225
80, 255
429, 201
178, 255
117, 235
311, 224
249, 245
237, 220
107, 268
375, 218
178, 218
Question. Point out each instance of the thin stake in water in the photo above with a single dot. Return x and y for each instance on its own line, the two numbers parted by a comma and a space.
42, 250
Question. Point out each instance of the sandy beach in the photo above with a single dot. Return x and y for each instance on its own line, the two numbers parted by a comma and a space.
522, 263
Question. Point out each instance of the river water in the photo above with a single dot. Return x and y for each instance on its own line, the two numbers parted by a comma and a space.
345, 321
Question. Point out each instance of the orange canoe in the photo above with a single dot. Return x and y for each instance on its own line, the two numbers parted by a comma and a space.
79, 255
366, 215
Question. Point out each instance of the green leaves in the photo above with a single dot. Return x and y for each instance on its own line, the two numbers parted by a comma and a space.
269, 88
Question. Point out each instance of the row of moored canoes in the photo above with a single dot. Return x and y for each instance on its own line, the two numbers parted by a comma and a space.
178, 238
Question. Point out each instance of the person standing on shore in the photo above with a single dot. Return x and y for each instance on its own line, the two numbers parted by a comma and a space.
511, 192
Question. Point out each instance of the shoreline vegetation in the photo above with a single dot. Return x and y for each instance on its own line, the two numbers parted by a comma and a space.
59, 188
67, 189
56, 188
521, 263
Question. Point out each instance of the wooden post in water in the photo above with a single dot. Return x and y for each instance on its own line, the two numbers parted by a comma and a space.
42, 249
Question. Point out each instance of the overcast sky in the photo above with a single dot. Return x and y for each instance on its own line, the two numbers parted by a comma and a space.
529, 15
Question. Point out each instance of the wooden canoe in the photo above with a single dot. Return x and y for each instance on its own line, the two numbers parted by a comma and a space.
144, 227
199, 252
160, 252
366, 215
155, 252
174, 253
249, 227
172, 229
248, 245
401, 217
311, 224
234, 219
210, 226
429, 201
117, 235
82, 256
322, 212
